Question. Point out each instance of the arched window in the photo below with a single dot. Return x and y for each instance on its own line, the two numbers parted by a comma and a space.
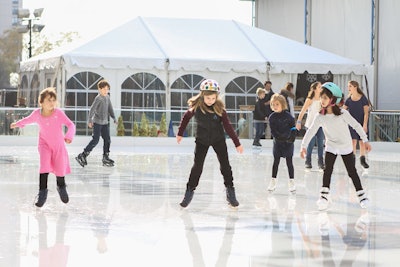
184, 88
34, 93
23, 92
240, 92
142, 91
80, 93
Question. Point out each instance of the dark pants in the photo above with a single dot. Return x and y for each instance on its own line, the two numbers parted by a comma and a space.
289, 164
104, 132
260, 130
200, 153
350, 165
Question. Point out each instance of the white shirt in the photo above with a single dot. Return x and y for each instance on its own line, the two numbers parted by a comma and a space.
336, 131
312, 111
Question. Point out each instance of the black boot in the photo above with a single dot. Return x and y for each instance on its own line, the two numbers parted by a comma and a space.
231, 196
42, 197
107, 161
62, 191
81, 158
363, 162
188, 197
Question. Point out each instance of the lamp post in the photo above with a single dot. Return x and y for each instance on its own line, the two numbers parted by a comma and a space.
24, 15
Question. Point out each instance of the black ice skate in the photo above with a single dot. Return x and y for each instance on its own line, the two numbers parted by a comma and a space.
231, 196
62, 191
41, 198
188, 197
81, 158
107, 161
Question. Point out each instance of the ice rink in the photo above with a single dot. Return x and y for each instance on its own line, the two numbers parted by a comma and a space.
129, 214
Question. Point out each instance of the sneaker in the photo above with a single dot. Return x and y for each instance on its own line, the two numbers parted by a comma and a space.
362, 196
324, 199
62, 191
292, 186
272, 185
188, 197
231, 196
41, 197
308, 165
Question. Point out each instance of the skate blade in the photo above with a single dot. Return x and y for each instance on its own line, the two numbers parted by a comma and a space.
80, 163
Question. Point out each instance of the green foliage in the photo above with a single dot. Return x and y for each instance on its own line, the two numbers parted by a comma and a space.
10, 51
120, 127
153, 130
163, 125
144, 126
135, 130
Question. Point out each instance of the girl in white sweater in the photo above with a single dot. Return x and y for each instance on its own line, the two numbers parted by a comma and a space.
334, 122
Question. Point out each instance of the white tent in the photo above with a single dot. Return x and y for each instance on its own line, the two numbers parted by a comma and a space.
169, 48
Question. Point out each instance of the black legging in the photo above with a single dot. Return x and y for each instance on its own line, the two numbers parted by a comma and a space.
289, 163
200, 153
350, 165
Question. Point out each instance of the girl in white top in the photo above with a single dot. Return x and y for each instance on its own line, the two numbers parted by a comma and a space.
313, 106
334, 122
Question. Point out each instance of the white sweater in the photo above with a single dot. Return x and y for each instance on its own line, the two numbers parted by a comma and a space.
336, 130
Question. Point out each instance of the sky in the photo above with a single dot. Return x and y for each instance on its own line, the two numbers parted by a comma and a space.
93, 17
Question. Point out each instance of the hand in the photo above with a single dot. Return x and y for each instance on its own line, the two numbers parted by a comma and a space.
367, 146
303, 153
13, 125
90, 124
68, 141
298, 126
365, 128
178, 139
239, 149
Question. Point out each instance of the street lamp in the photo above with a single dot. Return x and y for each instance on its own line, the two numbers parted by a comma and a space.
24, 15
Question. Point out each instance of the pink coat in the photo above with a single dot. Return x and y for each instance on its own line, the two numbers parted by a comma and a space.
52, 150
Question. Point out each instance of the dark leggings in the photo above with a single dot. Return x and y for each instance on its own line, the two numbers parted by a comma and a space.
289, 163
43, 177
200, 153
349, 163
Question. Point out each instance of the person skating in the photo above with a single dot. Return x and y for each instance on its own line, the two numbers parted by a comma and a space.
100, 112
212, 119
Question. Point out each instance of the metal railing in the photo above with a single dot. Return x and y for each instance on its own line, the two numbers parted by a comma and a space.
384, 126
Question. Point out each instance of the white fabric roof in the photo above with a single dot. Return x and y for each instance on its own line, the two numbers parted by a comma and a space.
194, 45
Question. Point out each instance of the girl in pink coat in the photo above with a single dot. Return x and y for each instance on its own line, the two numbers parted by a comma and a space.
52, 150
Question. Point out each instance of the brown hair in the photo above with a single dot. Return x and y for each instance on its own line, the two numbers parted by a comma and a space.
313, 87
103, 83
281, 99
357, 85
197, 101
49, 91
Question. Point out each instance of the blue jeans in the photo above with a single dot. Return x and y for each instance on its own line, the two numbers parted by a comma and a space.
319, 139
104, 132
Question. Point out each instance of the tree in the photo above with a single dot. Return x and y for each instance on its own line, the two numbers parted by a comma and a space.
135, 130
120, 127
144, 126
10, 52
163, 125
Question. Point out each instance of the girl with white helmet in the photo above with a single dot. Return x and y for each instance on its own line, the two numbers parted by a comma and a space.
211, 118
335, 123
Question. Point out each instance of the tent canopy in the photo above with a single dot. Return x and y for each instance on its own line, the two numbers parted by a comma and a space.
194, 45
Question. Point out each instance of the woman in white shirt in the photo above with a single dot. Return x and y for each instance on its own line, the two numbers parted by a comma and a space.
313, 106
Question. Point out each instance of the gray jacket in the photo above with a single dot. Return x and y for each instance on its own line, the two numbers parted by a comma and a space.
101, 110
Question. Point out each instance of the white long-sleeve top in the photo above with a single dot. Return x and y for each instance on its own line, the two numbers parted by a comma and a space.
337, 132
